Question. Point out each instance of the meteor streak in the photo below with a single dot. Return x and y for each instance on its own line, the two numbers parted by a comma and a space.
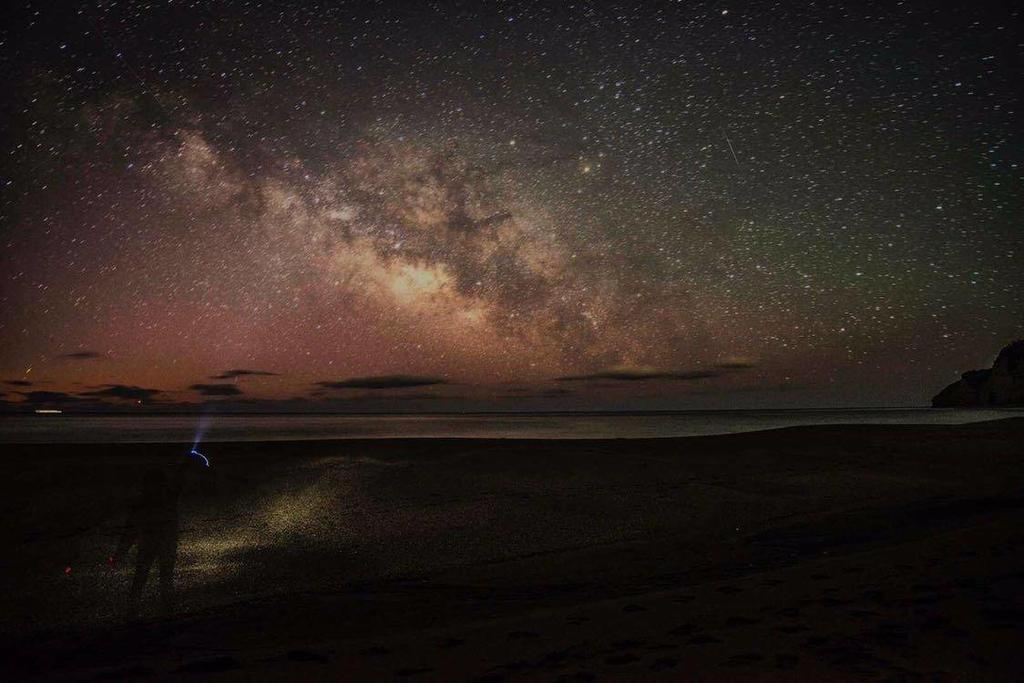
734, 157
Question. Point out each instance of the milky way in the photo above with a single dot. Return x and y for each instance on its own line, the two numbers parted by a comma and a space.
430, 206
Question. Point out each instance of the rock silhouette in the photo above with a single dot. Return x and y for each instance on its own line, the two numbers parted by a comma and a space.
1000, 385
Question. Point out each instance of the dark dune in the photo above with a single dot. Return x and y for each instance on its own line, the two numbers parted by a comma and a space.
821, 553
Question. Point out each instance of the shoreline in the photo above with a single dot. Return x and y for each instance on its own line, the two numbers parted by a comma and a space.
109, 430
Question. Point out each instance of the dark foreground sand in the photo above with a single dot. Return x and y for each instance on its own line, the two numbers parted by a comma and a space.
823, 553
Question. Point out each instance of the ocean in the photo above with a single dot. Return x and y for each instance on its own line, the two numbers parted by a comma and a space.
291, 427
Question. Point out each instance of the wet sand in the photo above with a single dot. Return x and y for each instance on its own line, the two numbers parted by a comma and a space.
811, 553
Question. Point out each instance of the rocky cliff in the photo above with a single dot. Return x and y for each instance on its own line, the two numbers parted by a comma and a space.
1001, 385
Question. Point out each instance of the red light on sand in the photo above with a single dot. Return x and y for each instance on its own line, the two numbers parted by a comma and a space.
67, 570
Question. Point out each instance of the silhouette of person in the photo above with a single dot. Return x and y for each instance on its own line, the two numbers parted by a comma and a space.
153, 526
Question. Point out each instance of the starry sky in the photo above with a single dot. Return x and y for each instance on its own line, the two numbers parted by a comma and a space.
506, 206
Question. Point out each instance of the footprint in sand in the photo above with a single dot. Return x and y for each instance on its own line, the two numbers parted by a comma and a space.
664, 663
578, 676
829, 601
979, 660
523, 635
405, 673
864, 614
1003, 618
746, 659
305, 656
127, 672
957, 632
212, 665
682, 630
704, 639
934, 622
634, 608
786, 661
626, 644
659, 647
729, 590
450, 643
741, 621
555, 659
375, 651
625, 658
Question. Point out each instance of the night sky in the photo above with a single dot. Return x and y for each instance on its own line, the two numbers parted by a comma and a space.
506, 206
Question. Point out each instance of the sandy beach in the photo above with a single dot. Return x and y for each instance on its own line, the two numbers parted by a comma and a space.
811, 553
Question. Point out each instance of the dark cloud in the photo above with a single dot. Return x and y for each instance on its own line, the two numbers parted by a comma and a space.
554, 393
383, 382
523, 393
37, 397
737, 364
82, 355
216, 389
123, 392
18, 382
233, 374
642, 375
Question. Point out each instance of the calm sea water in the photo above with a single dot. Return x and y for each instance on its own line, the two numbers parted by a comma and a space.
184, 428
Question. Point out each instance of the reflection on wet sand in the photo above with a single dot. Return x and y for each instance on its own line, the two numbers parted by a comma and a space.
307, 510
